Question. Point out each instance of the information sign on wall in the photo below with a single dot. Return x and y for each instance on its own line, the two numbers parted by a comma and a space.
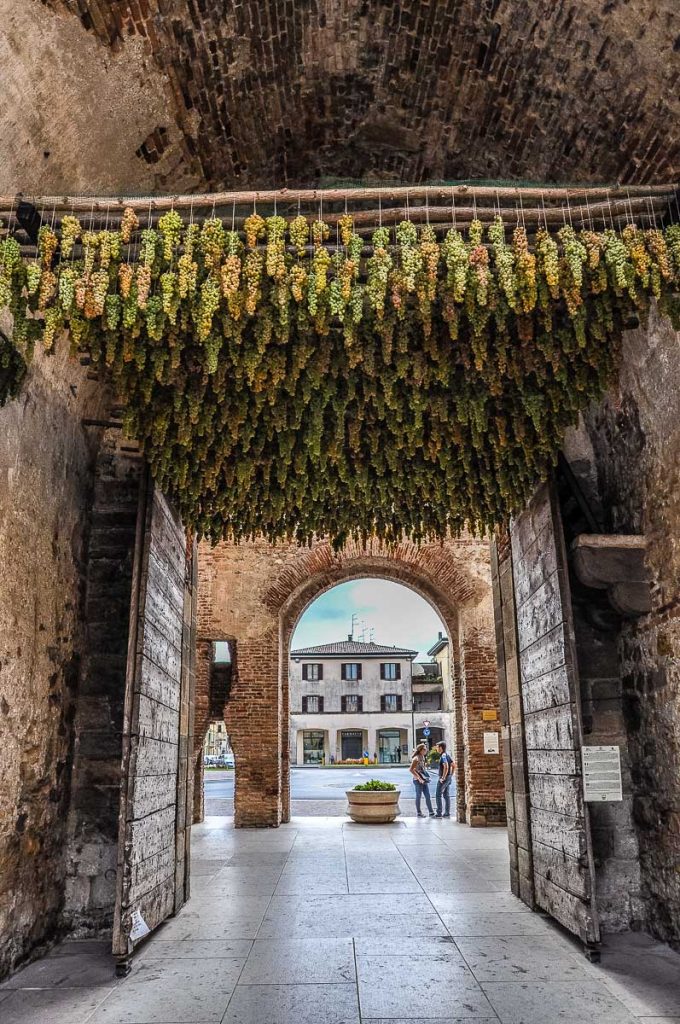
491, 745
601, 774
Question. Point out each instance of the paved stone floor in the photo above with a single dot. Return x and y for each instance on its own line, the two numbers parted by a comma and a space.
327, 922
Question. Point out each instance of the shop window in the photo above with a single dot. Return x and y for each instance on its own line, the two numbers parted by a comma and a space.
312, 746
389, 746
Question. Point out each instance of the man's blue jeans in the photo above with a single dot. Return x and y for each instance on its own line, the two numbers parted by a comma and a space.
423, 788
444, 790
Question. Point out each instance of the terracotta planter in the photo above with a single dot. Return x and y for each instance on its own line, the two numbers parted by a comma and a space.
373, 806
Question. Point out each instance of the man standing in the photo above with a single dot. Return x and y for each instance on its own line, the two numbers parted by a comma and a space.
446, 770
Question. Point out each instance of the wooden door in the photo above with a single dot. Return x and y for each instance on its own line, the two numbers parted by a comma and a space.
155, 807
561, 847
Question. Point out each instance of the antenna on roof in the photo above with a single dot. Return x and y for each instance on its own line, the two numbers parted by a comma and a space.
355, 622
371, 635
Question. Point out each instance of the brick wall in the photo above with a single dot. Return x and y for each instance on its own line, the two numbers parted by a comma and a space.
484, 781
253, 594
261, 93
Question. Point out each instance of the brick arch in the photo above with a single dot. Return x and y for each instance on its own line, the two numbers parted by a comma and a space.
365, 566
254, 592
438, 569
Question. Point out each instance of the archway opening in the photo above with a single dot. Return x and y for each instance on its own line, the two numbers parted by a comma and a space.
370, 674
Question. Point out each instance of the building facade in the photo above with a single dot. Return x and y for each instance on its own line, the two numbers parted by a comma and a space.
433, 696
352, 700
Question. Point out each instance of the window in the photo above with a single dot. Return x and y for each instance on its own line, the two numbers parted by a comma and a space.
312, 672
312, 747
312, 704
390, 702
390, 670
427, 701
352, 702
351, 670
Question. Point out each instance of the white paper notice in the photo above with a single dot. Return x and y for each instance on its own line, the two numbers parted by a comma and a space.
491, 743
139, 928
601, 774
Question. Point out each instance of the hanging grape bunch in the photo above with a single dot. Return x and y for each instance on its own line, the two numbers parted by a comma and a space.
291, 378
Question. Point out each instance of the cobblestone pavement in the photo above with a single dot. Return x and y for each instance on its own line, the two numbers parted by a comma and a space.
323, 921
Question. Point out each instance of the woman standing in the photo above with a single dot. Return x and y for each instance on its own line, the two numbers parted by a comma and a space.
421, 779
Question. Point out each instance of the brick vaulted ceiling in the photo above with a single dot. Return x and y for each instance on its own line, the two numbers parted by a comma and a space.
275, 92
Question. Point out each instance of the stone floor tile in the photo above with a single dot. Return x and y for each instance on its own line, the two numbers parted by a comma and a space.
265, 859
219, 889
644, 975
73, 947
207, 866
478, 902
298, 885
405, 945
442, 882
349, 915
300, 961
470, 923
383, 883
293, 1004
428, 1020
172, 992
237, 917
160, 948
408, 986
52, 1005
536, 1002
81, 970
658, 1020
521, 958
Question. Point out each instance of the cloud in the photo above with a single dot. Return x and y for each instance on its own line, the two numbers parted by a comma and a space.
398, 615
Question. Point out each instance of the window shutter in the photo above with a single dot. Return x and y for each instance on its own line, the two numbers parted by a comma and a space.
382, 702
305, 672
360, 703
304, 705
359, 667
398, 671
343, 703
320, 703
320, 671
382, 671
343, 671
399, 703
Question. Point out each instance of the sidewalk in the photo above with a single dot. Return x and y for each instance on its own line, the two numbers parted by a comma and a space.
326, 922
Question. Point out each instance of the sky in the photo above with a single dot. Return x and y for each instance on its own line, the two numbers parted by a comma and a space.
399, 616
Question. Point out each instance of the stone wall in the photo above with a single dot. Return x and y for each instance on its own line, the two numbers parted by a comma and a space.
253, 594
46, 461
636, 438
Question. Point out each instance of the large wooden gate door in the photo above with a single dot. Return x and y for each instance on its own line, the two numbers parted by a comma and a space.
156, 796
561, 848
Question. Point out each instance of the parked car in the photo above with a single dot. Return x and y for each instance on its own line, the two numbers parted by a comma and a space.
210, 760
224, 761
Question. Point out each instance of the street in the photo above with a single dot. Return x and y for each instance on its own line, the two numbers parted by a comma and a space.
318, 790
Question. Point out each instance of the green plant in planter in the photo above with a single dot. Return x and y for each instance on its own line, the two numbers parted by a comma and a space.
375, 785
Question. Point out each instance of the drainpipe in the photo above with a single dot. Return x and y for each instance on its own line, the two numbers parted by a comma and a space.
413, 705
